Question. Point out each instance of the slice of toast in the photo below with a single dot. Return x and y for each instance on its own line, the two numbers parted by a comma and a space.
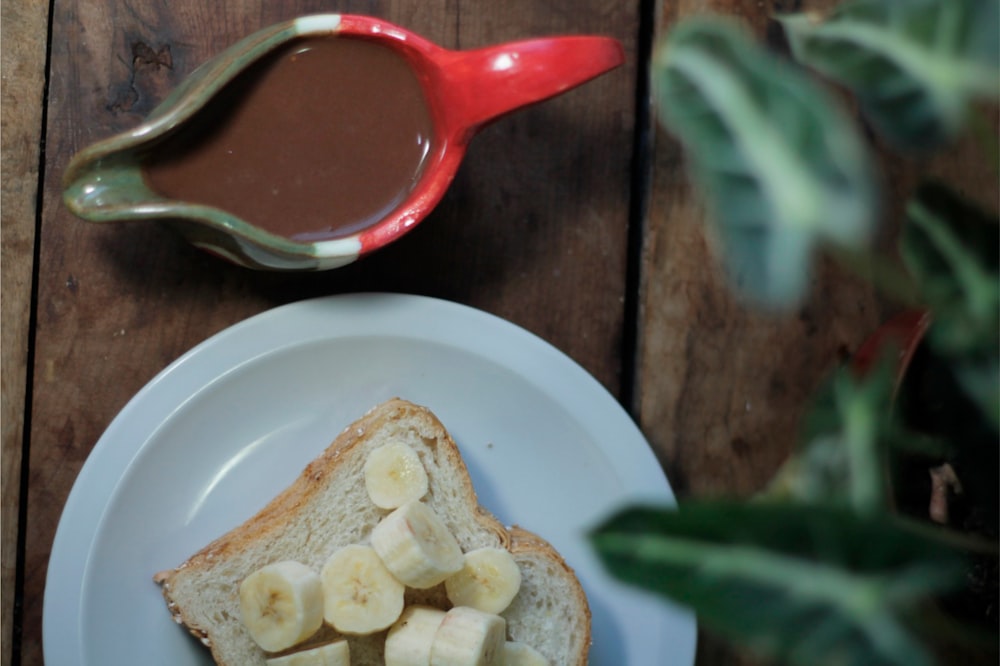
328, 507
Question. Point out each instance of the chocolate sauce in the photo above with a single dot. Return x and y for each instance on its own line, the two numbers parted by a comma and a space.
322, 138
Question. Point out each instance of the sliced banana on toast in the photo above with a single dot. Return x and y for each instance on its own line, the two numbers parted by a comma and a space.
469, 637
337, 653
360, 596
488, 581
409, 640
360, 592
281, 604
416, 546
394, 475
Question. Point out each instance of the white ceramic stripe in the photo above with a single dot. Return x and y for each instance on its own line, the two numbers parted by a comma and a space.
319, 23
337, 252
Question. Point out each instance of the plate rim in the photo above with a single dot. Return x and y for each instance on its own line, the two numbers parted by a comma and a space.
83, 502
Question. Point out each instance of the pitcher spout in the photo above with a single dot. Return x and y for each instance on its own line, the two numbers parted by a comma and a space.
484, 84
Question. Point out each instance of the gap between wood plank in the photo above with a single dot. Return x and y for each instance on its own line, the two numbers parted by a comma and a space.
639, 193
17, 618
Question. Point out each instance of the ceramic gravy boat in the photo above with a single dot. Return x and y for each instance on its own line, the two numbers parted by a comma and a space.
463, 90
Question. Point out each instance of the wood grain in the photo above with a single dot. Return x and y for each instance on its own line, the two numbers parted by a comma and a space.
533, 229
24, 30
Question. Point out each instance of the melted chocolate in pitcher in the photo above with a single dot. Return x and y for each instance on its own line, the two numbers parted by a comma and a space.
322, 138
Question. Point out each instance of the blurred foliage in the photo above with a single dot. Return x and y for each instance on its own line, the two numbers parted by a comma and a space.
950, 246
781, 164
839, 586
915, 66
824, 567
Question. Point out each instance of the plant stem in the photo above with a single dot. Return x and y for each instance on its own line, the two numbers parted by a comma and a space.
866, 490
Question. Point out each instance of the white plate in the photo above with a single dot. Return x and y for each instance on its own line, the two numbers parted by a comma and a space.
214, 436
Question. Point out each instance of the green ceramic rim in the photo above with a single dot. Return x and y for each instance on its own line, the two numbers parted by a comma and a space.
115, 162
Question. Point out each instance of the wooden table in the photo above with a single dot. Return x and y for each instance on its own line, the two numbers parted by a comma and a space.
572, 219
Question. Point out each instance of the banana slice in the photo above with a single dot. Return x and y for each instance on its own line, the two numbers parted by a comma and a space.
408, 642
469, 637
522, 654
394, 476
417, 546
489, 581
337, 653
281, 604
360, 596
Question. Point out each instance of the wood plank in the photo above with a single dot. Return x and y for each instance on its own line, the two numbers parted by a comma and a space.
533, 229
721, 387
23, 31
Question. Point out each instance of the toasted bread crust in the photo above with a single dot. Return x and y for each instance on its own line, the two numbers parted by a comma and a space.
268, 524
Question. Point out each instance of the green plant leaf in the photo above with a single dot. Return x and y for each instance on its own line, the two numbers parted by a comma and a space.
843, 444
807, 584
953, 250
914, 65
780, 164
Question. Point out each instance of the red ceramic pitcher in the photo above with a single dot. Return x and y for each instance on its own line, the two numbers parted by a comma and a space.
464, 90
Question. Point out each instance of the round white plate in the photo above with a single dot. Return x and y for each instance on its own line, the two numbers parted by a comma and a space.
214, 436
